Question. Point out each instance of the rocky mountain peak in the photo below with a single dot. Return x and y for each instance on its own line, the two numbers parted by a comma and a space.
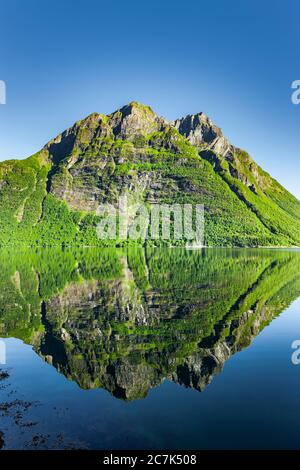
134, 119
201, 132
128, 122
134, 151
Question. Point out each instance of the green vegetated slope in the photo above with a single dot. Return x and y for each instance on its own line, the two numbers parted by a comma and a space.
126, 319
51, 198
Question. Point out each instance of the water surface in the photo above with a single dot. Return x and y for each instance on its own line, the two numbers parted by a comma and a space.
165, 348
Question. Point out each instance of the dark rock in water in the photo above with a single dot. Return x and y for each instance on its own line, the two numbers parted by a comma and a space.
3, 375
1, 440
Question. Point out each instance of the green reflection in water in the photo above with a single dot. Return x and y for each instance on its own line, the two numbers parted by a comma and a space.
126, 319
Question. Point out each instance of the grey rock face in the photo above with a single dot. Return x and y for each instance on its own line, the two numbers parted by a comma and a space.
201, 132
135, 119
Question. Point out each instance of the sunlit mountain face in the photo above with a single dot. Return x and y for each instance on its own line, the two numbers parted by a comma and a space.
52, 198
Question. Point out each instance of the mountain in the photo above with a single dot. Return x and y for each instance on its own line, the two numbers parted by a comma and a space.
51, 197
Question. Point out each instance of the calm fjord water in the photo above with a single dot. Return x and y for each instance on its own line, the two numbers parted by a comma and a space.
165, 348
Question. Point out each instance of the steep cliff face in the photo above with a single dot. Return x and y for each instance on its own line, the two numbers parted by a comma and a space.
202, 133
52, 197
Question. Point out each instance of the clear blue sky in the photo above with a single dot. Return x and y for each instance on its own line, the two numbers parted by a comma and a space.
233, 59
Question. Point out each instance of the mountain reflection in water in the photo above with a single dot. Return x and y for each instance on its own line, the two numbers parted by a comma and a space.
127, 319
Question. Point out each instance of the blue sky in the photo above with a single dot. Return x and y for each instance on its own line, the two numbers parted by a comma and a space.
233, 59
